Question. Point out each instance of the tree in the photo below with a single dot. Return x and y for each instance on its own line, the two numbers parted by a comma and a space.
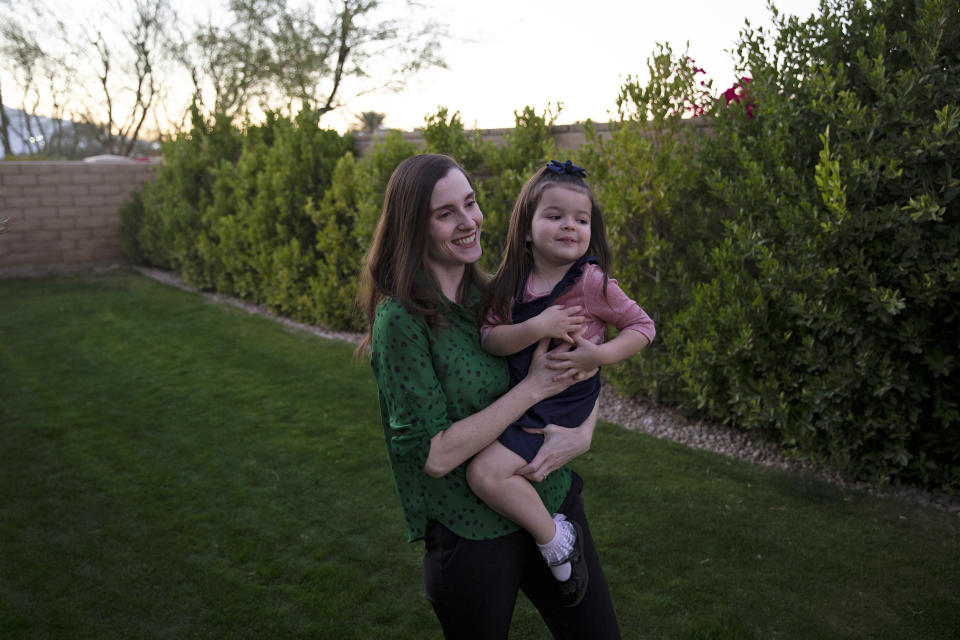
127, 100
369, 122
97, 81
4, 127
4, 121
39, 75
88, 85
228, 65
275, 56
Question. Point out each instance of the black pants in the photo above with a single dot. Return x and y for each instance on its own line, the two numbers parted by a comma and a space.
473, 584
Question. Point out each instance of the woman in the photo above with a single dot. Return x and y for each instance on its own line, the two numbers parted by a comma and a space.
443, 399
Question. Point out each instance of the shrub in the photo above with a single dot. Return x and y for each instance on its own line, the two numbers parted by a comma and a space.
228, 210
825, 313
345, 219
166, 232
289, 164
131, 220
448, 136
648, 177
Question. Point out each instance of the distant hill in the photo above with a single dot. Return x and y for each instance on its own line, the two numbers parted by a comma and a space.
77, 140
18, 129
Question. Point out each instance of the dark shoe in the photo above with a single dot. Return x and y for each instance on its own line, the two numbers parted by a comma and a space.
573, 589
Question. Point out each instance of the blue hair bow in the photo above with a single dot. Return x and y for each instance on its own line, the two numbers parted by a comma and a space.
567, 168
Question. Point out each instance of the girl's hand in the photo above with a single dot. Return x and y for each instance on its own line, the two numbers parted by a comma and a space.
560, 446
560, 322
580, 363
574, 366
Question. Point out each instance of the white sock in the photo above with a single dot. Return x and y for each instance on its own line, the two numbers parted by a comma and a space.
559, 549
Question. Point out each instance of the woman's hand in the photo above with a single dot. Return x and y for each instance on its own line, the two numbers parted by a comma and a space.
542, 378
560, 446
452, 446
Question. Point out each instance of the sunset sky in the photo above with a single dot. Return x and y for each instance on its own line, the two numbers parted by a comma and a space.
507, 54
503, 55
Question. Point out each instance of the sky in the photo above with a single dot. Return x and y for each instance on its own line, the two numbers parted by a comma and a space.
504, 55
508, 54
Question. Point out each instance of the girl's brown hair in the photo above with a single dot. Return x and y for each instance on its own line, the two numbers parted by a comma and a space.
517, 261
394, 265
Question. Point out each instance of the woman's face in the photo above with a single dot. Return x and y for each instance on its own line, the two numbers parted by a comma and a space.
455, 220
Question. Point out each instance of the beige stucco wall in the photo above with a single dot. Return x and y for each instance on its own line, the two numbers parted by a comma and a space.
61, 216
566, 136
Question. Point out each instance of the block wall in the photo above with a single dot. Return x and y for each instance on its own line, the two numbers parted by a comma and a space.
567, 137
62, 216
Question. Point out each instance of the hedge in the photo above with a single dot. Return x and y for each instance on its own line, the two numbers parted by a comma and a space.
803, 256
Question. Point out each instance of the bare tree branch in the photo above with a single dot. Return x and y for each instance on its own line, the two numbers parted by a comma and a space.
307, 61
99, 82
4, 127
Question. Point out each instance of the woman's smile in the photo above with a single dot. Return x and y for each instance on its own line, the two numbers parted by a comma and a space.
466, 241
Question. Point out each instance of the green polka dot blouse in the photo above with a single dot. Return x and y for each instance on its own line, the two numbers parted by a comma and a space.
427, 380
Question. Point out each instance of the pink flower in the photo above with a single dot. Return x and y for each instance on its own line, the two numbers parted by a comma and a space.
737, 92
731, 95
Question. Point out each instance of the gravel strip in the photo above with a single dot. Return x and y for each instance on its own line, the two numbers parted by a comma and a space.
663, 422
637, 415
174, 281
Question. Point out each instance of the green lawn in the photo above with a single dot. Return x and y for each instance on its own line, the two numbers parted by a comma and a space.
174, 468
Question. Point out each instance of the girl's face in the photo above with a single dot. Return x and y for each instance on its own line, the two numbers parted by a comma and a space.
560, 229
455, 220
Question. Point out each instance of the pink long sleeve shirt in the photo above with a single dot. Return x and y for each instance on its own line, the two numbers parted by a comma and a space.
617, 309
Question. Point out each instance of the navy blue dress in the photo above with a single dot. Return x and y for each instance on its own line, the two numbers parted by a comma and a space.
569, 408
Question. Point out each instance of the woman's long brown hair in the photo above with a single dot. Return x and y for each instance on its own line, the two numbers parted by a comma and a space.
517, 261
394, 265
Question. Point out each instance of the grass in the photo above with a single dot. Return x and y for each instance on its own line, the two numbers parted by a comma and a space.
173, 468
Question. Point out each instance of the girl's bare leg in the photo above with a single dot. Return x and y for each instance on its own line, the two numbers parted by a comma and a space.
492, 476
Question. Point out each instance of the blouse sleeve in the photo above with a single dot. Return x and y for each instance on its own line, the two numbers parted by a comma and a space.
617, 308
410, 390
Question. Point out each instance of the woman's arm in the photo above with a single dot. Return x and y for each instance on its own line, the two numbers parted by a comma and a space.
560, 446
452, 446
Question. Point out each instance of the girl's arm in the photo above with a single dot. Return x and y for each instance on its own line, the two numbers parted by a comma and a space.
636, 328
588, 356
554, 322
452, 446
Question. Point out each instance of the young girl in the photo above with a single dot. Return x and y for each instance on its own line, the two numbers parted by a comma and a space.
553, 283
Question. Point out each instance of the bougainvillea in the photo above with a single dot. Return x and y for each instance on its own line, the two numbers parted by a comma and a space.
739, 92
